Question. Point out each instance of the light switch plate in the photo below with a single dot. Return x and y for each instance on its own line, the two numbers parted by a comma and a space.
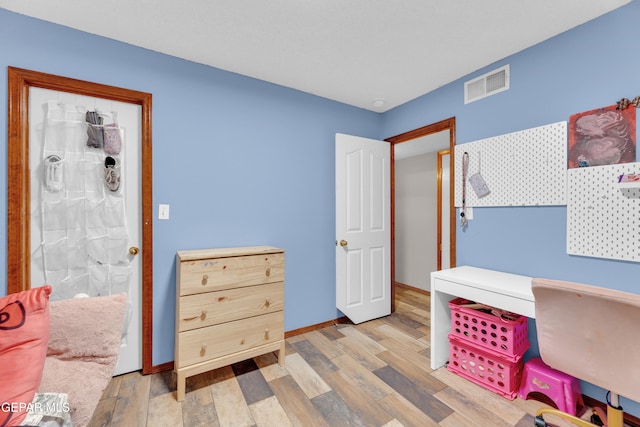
163, 211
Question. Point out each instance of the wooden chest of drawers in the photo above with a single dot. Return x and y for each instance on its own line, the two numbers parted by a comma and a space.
230, 307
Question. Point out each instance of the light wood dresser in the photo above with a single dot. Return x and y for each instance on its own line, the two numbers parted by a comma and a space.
230, 307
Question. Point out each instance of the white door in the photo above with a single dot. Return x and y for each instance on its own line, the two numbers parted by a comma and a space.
363, 235
87, 269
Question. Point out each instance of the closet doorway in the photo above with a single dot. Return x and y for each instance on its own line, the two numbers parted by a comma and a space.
422, 217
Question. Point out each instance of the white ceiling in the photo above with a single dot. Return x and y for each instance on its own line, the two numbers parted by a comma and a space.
352, 51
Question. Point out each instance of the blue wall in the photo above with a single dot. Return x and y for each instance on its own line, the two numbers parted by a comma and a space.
240, 161
589, 67
244, 162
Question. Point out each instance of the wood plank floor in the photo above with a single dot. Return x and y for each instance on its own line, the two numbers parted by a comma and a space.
372, 374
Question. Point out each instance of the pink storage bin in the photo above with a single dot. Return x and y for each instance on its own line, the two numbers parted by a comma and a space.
485, 367
505, 336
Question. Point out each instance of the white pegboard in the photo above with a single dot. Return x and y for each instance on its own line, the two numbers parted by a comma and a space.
525, 168
603, 220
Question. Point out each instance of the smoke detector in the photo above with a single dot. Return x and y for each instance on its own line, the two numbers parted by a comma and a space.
378, 102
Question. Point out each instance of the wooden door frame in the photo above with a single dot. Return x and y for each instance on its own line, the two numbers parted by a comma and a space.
18, 183
441, 153
447, 124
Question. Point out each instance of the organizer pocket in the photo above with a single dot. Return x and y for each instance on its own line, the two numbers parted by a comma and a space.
99, 281
112, 139
97, 251
114, 214
77, 253
75, 214
55, 215
55, 255
116, 246
94, 178
95, 214
63, 136
120, 277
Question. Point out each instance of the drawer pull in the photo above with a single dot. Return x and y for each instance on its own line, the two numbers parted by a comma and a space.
266, 333
203, 315
220, 299
242, 341
203, 349
268, 272
205, 278
267, 302
189, 319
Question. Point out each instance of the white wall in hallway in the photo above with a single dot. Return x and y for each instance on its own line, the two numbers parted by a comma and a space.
416, 220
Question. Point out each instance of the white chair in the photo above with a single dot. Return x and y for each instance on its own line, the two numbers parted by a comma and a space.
593, 334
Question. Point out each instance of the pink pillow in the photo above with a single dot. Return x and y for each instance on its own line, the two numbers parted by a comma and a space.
24, 335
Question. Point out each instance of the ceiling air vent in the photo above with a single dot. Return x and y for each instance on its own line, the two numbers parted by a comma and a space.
487, 84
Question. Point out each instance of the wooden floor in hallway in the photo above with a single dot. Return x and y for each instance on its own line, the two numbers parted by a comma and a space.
372, 374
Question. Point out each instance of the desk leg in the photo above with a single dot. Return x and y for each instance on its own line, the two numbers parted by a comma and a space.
440, 327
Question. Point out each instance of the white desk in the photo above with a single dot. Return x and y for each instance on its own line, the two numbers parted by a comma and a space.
507, 291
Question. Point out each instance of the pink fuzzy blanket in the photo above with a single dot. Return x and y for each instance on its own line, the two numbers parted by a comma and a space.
83, 351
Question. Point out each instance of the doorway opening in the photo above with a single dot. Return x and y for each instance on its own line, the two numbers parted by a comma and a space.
444, 208
420, 140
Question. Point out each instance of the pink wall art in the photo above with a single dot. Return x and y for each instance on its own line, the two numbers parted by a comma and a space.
605, 136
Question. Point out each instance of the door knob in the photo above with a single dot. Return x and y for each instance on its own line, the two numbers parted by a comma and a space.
134, 250
343, 243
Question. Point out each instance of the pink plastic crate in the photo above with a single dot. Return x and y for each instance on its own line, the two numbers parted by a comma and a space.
485, 367
507, 337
